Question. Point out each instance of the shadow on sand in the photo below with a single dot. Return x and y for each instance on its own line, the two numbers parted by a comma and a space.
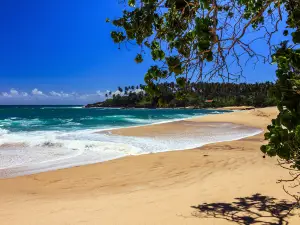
256, 209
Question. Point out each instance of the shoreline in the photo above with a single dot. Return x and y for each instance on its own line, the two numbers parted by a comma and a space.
162, 122
191, 130
135, 131
188, 107
161, 188
70, 162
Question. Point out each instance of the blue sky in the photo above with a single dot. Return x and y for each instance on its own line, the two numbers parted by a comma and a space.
64, 47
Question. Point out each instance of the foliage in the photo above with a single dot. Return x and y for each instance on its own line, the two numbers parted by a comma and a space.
284, 133
222, 94
194, 40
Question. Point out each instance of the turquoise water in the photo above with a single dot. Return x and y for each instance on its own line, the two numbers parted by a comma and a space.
39, 118
41, 138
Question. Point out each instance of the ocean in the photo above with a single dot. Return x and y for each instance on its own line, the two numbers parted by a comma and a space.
41, 138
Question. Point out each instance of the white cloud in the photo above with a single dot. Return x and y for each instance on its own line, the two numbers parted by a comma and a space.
139, 91
37, 96
117, 92
14, 92
36, 92
99, 93
5, 94
74, 94
62, 94
54, 93
66, 95
24, 94
103, 93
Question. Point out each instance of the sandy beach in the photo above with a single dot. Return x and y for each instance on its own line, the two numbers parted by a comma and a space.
237, 183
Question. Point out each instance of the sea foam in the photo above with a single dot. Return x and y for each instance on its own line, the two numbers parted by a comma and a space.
23, 153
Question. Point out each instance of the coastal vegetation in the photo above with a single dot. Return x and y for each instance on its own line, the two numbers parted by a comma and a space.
200, 95
196, 40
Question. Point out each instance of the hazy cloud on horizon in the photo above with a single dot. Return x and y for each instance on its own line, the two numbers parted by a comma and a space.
37, 96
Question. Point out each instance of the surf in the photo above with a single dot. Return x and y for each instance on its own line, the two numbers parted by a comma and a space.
44, 139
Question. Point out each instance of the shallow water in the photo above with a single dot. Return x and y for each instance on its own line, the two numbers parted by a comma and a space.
68, 118
40, 138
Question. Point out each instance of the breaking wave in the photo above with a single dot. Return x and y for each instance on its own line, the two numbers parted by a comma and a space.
33, 139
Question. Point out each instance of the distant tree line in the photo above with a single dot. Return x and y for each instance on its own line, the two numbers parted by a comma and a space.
198, 95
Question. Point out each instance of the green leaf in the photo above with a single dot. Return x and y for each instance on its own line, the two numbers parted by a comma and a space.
296, 36
263, 148
271, 151
131, 3
181, 81
117, 36
139, 58
297, 133
174, 65
209, 57
267, 135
